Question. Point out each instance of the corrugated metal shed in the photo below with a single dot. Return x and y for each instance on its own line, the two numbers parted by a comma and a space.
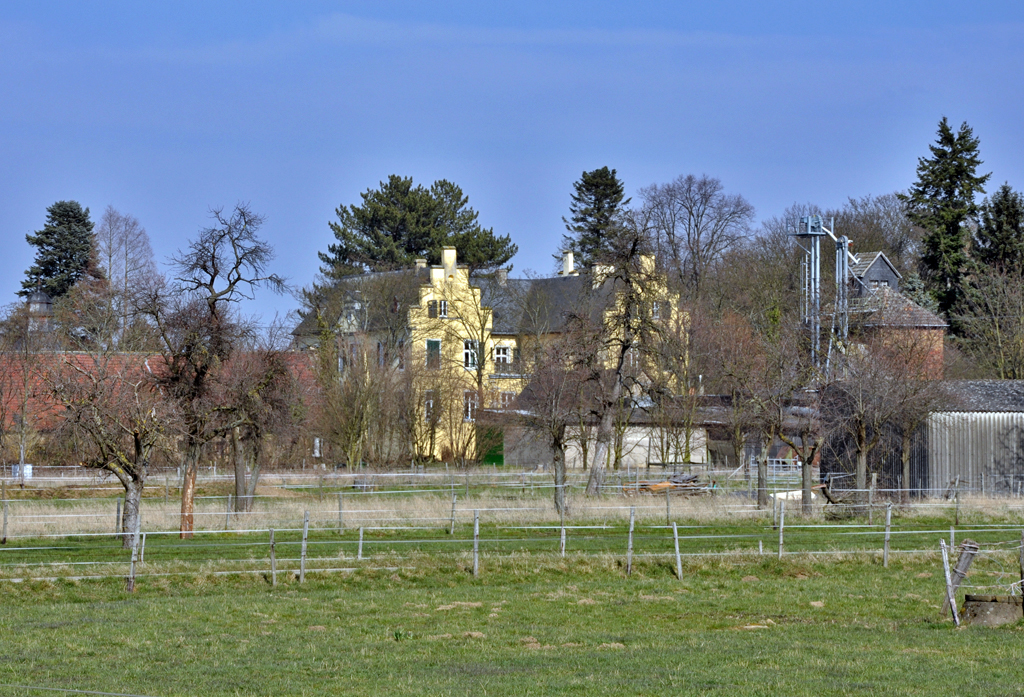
985, 449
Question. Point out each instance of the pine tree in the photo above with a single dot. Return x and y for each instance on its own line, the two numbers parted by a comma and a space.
942, 201
999, 239
597, 201
400, 222
64, 250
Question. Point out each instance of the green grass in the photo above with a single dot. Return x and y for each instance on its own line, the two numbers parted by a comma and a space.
531, 624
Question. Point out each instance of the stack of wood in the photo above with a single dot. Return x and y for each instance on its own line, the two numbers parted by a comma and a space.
683, 484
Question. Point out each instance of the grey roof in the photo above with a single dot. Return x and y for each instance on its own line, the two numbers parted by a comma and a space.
886, 308
536, 304
865, 260
988, 395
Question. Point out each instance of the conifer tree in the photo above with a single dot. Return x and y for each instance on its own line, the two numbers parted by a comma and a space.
400, 222
942, 201
999, 239
598, 198
64, 250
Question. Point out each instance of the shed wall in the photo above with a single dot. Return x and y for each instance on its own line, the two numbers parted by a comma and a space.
973, 445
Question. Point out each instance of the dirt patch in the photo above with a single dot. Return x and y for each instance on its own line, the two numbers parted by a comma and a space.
586, 601
452, 606
750, 579
817, 603
612, 645
473, 635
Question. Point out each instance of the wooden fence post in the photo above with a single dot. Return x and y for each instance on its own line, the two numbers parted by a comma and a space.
359, 552
341, 512
117, 518
871, 498
561, 518
451, 528
227, 513
476, 543
1021, 556
679, 560
3, 537
302, 555
273, 559
668, 506
142, 550
629, 546
782, 524
135, 555
888, 524
952, 537
949, 583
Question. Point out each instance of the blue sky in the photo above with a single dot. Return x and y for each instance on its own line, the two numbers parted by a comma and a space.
165, 110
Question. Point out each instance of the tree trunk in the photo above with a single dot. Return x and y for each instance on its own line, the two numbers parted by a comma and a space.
605, 433
130, 515
862, 464
188, 489
238, 454
762, 479
905, 469
559, 467
807, 495
254, 474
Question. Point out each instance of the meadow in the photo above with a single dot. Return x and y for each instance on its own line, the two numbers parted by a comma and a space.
410, 618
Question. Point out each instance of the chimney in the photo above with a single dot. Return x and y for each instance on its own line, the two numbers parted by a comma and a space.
448, 262
567, 269
502, 276
421, 264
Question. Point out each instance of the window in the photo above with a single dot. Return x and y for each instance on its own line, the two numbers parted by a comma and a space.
432, 309
382, 355
655, 310
506, 399
502, 356
428, 406
469, 353
469, 405
442, 308
401, 354
879, 284
433, 354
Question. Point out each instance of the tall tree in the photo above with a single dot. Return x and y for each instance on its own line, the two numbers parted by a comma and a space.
64, 249
400, 222
999, 239
598, 198
198, 330
695, 223
942, 201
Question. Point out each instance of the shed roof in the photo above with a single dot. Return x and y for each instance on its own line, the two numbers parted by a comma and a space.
865, 260
988, 395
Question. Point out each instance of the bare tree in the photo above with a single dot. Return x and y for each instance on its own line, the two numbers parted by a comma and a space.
694, 224
198, 328
126, 259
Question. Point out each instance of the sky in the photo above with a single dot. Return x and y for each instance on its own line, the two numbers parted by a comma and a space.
166, 111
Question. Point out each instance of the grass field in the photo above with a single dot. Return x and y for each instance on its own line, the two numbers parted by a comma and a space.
410, 619
531, 624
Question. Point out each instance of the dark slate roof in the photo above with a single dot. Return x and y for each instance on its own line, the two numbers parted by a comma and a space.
865, 260
886, 308
536, 304
988, 395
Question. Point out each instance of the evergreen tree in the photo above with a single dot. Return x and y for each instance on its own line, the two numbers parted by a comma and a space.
999, 239
942, 201
597, 200
64, 250
400, 222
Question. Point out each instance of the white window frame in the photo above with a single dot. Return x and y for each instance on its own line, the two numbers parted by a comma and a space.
442, 309
470, 404
503, 355
429, 399
470, 354
506, 399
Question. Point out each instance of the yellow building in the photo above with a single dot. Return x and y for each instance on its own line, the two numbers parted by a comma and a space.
458, 345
